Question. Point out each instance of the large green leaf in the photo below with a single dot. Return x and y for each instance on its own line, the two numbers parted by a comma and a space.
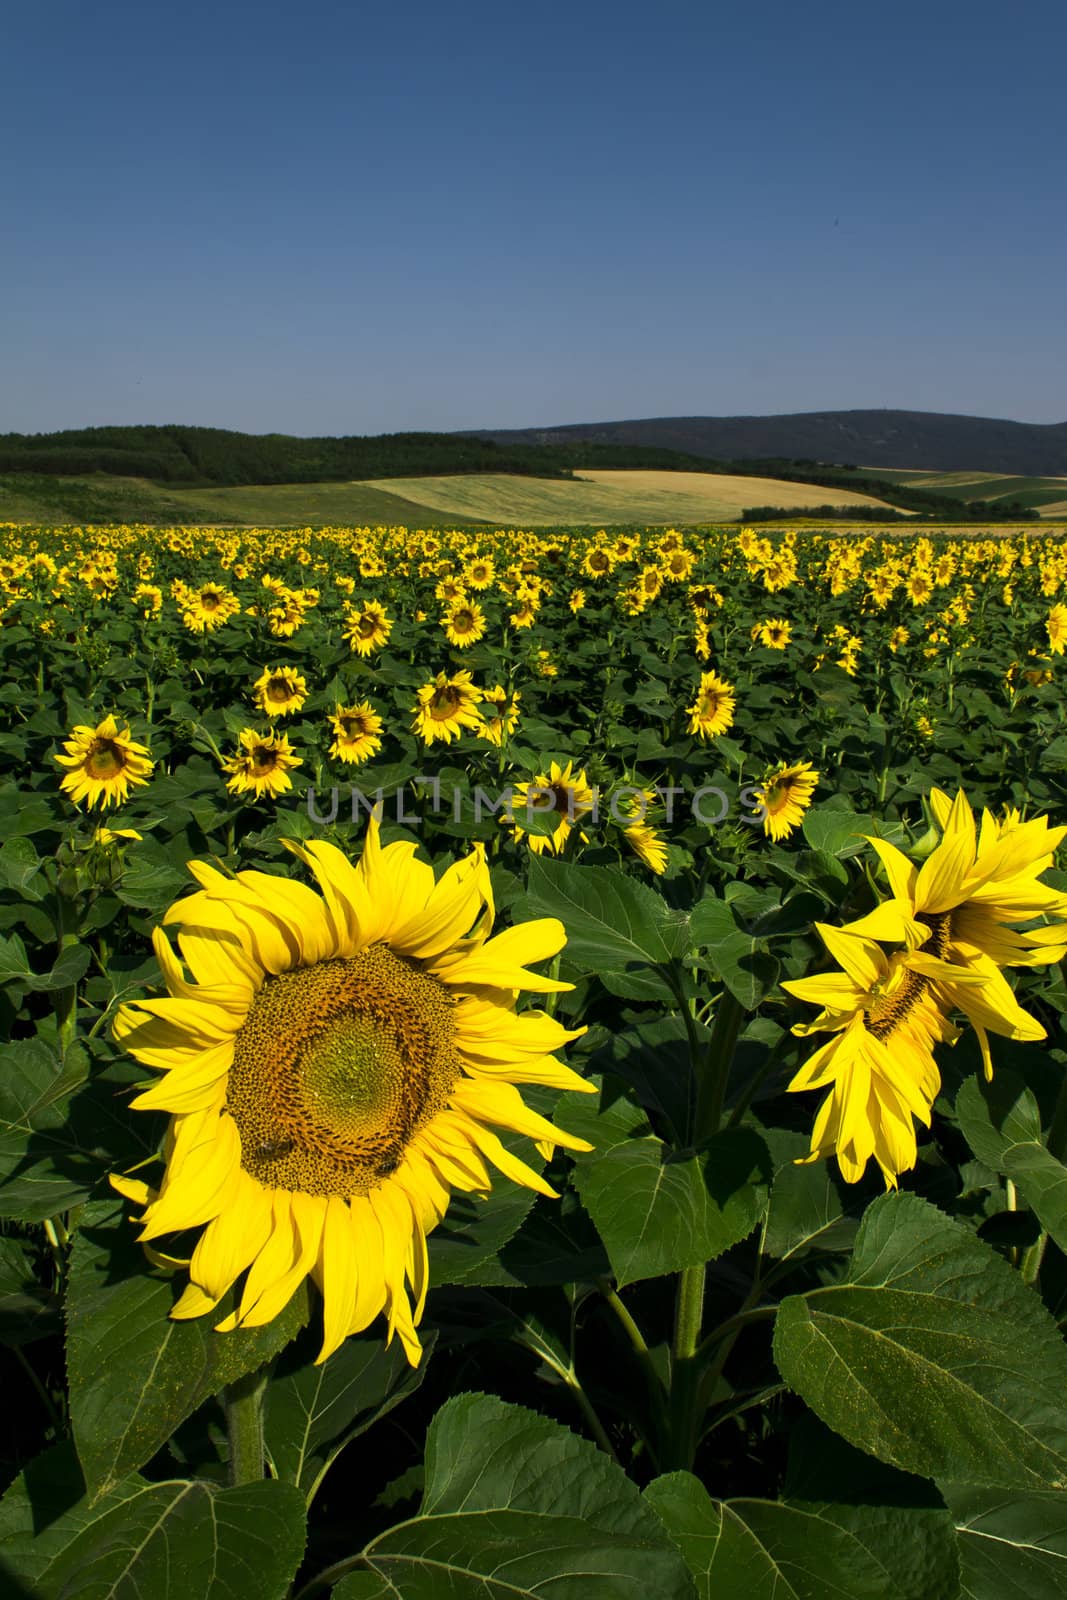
178, 1540
997, 1114
1002, 1123
736, 956
134, 1373
761, 1549
44, 1168
658, 1209
515, 1507
932, 1355
610, 919
312, 1412
1013, 1546
805, 1210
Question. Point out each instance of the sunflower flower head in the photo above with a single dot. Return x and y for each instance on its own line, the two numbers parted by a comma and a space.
103, 764
783, 797
261, 765
278, 691
335, 1065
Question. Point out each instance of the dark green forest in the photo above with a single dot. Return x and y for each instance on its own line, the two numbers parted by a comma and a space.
216, 457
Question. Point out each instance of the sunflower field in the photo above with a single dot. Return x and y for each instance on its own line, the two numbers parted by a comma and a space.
534, 1064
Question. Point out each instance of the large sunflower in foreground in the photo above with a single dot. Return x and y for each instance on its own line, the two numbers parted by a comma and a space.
103, 763
335, 1067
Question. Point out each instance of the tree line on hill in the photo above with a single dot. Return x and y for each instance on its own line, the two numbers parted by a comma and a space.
216, 457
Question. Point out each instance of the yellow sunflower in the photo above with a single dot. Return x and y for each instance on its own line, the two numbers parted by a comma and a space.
504, 714
335, 1066
279, 691
969, 904
1056, 626
261, 765
444, 707
879, 1066
356, 731
775, 633
712, 712
464, 623
561, 790
368, 628
783, 797
208, 607
103, 764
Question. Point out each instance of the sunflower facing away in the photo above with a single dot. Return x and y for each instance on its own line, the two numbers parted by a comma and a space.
335, 1066
262, 764
783, 797
103, 763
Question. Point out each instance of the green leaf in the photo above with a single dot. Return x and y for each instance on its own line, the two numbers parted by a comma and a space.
805, 1210
736, 956
761, 1549
658, 1209
134, 1373
178, 1540
19, 868
997, 1114
517, 1507
27, 1310
610, 919
932, 1355
150, 885
312, 1412
1013, 1545
1002, 1123
836, 832
44, 1168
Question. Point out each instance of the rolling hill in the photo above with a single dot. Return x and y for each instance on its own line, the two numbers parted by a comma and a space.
926, 440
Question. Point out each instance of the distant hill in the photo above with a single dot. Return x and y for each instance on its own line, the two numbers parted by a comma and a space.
929, 440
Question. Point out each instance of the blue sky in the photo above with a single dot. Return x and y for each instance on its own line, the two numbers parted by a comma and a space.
346, 218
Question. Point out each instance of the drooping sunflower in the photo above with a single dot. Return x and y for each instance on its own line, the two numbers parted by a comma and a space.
445, 706
335, 1066
560, 791
968, 905
279, 691
464, 623
503, 714
879, 1066
783, 797
261, 765
103, 764
356, 733
712, 712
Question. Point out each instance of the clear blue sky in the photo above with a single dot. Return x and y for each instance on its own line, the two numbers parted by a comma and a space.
354, 218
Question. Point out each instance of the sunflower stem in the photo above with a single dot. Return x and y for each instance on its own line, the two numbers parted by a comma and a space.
242, 1402
714, 1072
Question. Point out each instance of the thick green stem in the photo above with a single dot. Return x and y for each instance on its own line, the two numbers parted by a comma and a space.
243, 1404
713, 1078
